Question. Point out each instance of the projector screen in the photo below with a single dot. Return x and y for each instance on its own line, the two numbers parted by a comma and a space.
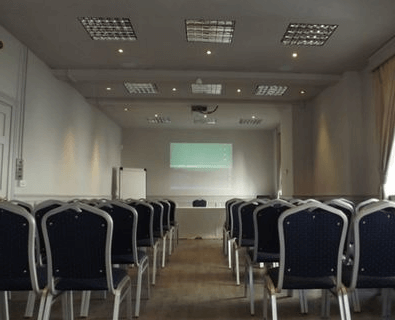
204, 166
201, 155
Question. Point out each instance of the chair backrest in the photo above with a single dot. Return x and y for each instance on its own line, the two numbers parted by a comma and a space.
311, 245
124, 217
158, 218
365, 203
246, 221
78, 239
228, 204
234, 218
39, 211
374, 240
17, 249
346, 207
27, 206
173, 206
265, 219
145, 214
166, 214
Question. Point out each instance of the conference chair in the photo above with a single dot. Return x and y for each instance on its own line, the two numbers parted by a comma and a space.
245, 238
349, 210
39, 211
173, 224
124, 250
27, 206
373, 265
145, 232
158, 226
167, 230
78, 240
226, 227
266, 247
311, 239
18, 268
365, 203
234, 228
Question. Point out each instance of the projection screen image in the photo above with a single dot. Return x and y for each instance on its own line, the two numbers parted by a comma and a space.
204, 166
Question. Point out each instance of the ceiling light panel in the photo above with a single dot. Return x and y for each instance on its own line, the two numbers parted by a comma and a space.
206, 88
216, 31
143, 88
250, 122
159, 120
308, 34
272, 90
100, 28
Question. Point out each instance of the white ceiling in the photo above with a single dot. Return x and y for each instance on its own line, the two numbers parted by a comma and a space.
162, 55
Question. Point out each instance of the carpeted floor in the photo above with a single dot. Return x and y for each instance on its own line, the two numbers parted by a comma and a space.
197, 284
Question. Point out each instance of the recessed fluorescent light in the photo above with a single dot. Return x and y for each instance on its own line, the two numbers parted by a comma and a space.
108, 89
102, 28
206, 88
272, 90
251, 122
159, 120
308, 34
145, 88
199, 30
208, 52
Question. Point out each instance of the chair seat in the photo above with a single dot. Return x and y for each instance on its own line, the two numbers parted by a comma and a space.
367, 281
293, 282
87, 284
24, 283
128, 258
247, 242
264, 257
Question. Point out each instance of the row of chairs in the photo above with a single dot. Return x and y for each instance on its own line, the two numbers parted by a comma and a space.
78, 246
310, 244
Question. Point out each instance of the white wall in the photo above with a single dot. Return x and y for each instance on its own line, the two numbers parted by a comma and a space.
253, 161
69, 147
341, 146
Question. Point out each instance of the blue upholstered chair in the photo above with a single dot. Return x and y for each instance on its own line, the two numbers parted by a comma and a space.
167, 230
227, 226
245, 239
311, 237
234, 228
266, 247
124, 250
174, 226
39, 211
145, 232
373, 265
18, 268
78, 241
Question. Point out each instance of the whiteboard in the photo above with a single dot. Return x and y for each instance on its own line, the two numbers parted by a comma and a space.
132, 183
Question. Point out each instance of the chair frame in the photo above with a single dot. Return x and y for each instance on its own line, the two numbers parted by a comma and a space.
67, 295
271, 290
31, 258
